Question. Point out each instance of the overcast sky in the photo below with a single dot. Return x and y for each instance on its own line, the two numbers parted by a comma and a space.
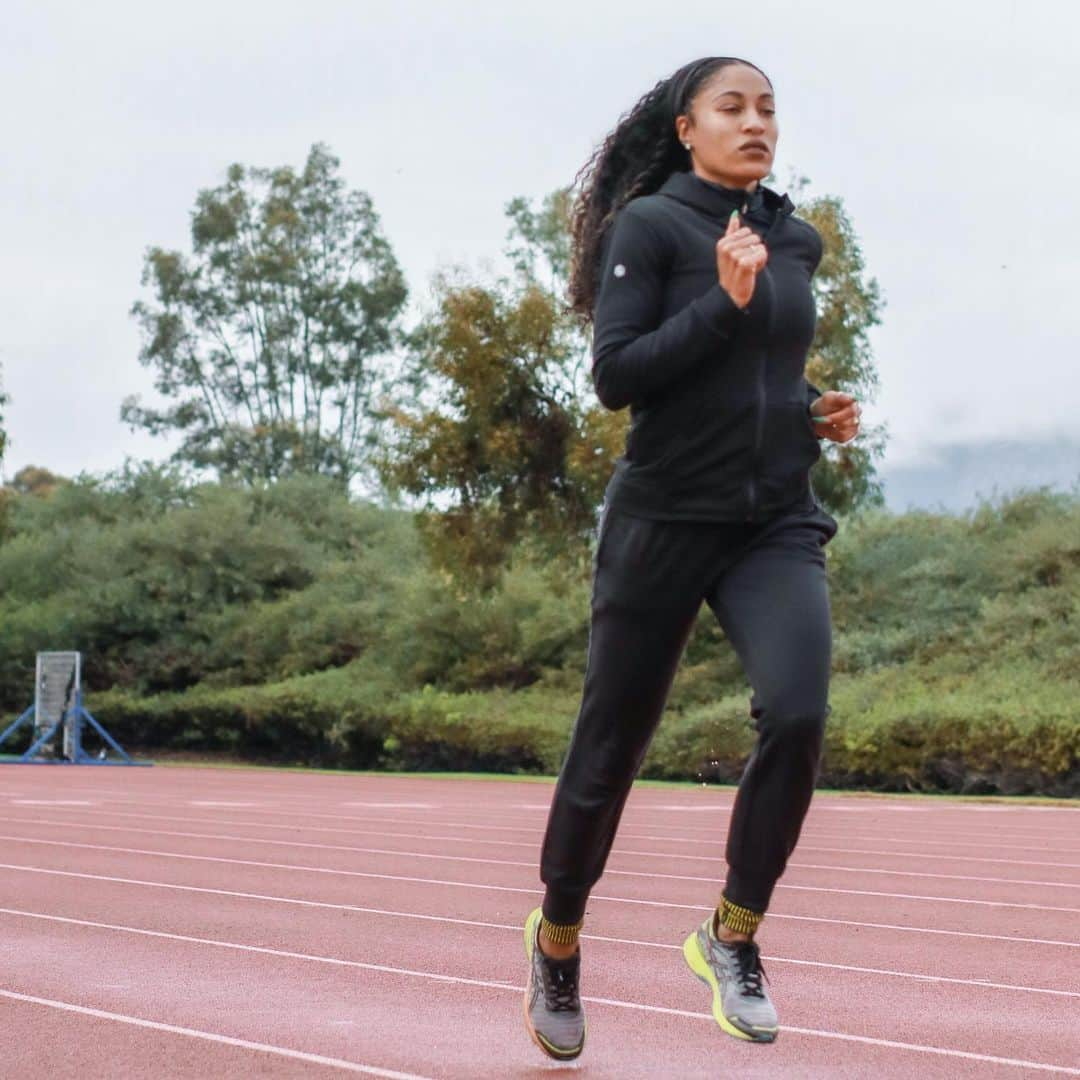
948, 129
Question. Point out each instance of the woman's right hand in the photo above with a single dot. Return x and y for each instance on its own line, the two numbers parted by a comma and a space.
740, 255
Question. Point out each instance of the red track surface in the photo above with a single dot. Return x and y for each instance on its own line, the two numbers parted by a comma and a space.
205, 923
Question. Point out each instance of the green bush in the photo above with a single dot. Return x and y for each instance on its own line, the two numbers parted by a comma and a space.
289, 623
889, 730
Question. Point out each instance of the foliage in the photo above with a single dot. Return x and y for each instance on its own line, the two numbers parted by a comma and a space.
166, 583
495, 426
3, 429
516, 451
288, 622
840, 358
143, 569
266, 340
890, 730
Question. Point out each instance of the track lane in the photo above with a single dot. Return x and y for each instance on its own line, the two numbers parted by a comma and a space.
408, 1007
668, 904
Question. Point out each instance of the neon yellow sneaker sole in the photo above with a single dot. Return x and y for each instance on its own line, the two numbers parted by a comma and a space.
699, 965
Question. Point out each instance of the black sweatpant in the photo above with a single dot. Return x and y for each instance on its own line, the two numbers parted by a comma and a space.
766, 584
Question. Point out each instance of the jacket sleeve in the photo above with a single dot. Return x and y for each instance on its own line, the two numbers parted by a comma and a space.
635, 352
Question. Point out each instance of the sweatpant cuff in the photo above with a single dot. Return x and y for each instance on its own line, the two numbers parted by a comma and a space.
564, 909
748, 894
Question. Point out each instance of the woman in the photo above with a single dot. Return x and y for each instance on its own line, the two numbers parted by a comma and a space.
697, 281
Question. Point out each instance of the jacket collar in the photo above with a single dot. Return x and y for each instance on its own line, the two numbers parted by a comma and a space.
718, 201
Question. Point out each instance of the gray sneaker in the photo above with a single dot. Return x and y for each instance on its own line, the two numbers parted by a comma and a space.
553, 1012
740, 1004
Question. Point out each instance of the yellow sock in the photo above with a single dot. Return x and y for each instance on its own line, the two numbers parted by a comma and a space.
561, 933
735, 917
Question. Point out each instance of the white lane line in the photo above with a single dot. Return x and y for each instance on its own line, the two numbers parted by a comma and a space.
457, 838
213, 1036
639, 813
866, 807
639, 817
927, 855
214, 803
708, 833
928, 874
51, 802
700, 908
336, 961
516, 929
640, 804
395, 805
613, 1002
225, 838
866, 1039
812, 836
869, 831
725, 809
69, 789
505, 862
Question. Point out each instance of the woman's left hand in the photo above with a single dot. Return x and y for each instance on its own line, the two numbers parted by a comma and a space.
836, 416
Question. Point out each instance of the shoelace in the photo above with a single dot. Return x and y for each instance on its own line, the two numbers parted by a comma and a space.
560, 988
749, 969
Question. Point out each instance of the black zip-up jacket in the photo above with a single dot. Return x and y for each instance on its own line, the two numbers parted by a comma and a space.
721, 428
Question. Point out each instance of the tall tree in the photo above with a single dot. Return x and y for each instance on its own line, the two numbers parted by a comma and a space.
5, 494
35, 480
848, 305
503, 438
268, 340
3, 429
498, 430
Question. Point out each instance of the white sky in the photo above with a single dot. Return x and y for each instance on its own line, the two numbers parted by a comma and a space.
948, 129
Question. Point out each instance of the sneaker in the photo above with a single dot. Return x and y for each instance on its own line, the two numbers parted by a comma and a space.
553, 1012
740, 1004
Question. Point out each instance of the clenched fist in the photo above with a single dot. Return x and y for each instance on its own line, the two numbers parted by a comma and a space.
836, 416
740, 256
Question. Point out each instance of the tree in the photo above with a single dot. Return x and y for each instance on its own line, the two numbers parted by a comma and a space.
34, 480
494, 410
267, 339
5, 494
840, 358
498, 429
3, 430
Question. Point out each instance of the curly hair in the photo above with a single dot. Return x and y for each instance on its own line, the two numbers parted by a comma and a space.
634, 160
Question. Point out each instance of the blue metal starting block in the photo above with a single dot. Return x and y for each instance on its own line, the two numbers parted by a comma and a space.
58, 710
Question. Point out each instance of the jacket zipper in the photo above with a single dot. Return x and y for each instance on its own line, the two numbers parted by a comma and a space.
759, 419
759, 423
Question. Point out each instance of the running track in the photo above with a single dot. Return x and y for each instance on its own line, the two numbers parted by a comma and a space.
188, 922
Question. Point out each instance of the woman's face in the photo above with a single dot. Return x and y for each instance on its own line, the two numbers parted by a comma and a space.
732, 108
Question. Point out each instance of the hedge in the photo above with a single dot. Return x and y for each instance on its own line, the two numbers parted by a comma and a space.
1010, 732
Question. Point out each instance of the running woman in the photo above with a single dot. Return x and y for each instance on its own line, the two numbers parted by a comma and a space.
696, 278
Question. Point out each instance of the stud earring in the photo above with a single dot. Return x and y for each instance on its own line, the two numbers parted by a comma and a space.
686, 146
